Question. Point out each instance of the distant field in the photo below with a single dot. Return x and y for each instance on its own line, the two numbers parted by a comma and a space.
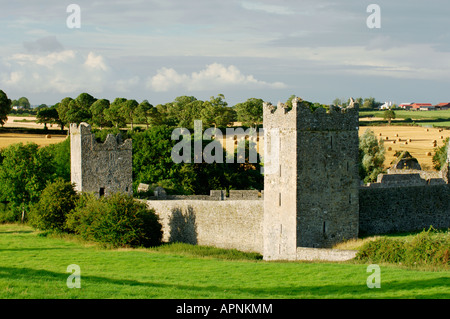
7, 139
424, 118
419, 146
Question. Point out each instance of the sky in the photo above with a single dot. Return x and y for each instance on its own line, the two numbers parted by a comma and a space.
160, 49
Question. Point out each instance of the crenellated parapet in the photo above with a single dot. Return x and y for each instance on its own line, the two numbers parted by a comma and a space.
101, 168
111, 143
301, 117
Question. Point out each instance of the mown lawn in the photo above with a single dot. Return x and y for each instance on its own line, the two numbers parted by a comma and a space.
33, 266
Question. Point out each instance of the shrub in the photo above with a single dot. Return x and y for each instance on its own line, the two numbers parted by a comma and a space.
8, 214
116, 221
382, 250
51, 211
429, 247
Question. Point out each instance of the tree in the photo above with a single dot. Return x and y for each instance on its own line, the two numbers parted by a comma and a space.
389, 115
250, 112
77, 113
98, 109
55, 203
5, 107
144, 113
48, 115
129, 108
24, 173
115, 114
62, 108
371, 156
23, 102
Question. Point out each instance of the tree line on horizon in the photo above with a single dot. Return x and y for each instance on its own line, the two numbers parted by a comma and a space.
180, 113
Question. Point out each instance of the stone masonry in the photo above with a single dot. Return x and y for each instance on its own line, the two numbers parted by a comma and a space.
100, 168
311, 188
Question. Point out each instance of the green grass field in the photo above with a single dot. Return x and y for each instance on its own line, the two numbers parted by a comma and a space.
35, 266
424, 118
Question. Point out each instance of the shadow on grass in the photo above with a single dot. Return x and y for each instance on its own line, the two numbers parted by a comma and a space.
389, 289
16, 232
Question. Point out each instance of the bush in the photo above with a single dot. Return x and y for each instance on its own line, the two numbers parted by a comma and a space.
55, 203
8, 214
429, 247
115, 221
383, 250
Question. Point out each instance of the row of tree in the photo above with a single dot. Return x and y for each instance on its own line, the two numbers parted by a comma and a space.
181, 112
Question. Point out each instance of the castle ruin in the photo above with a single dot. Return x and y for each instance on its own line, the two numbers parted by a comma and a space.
100, 168
312, 197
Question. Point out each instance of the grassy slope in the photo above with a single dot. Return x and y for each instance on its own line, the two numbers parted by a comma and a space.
33, 266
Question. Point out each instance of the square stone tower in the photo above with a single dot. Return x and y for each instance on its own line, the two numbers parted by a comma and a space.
101, 168
311, 179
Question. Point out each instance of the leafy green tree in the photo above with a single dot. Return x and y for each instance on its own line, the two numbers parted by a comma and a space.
144, 113
213, 112
389, 115
98, 109
85, 100
152, 161
23, 101
62, 108
5, 107
115, 113
24, 173
48, 115
77, 113
129, 109
371, 156
250, 112
60, 154
55, 203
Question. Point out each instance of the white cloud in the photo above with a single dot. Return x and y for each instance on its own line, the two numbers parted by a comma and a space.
63, 72
266, 8
214, 76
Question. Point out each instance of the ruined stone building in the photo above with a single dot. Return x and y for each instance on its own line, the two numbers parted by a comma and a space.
100, 168
312, 197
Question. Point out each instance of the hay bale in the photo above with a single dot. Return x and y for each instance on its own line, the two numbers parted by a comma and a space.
389, 149
410, 140
428, 153
386, 138
48, 136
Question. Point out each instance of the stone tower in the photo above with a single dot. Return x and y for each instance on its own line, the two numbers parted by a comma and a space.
101, 168
311, 178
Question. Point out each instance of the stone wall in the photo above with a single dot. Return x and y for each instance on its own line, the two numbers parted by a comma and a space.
225, 224
401, 209
101, 168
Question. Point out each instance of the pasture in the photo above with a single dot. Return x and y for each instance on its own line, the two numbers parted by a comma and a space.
35, 266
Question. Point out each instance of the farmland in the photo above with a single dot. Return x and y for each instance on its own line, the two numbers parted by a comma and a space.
12, 136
